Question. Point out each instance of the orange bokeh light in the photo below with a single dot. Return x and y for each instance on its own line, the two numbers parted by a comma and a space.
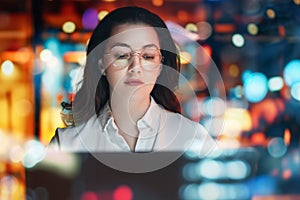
157, 3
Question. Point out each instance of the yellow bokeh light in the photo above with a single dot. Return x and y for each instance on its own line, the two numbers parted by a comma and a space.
102, 14
236, 120
234, 70
185, 57
69, 27
191, 27
252, 29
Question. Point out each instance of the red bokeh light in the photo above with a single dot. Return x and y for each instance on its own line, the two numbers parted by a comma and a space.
89, 196
123, 192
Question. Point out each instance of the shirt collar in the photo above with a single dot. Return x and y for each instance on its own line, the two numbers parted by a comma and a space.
150, 119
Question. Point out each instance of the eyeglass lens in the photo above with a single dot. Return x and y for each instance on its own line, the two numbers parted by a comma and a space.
121, 57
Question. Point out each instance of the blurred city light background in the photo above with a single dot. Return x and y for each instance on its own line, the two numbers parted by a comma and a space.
255, 44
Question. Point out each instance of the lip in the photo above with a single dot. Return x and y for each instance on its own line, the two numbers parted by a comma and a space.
134, 82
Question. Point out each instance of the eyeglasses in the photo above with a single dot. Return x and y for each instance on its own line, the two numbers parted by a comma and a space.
121, 57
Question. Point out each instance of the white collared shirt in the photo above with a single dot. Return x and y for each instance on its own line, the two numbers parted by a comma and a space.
159, 130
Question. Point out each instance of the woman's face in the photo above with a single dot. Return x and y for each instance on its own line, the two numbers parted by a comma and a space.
132, 60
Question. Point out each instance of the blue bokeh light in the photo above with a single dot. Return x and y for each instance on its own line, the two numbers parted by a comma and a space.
295, 91
291, 72
255, 87
245, 74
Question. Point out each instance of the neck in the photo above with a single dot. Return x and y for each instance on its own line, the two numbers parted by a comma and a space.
138, 108
127, 111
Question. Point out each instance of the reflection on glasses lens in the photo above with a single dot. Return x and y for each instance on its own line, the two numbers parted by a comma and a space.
121, 57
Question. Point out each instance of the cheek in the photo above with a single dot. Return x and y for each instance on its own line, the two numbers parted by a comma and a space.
152, 77
113, 77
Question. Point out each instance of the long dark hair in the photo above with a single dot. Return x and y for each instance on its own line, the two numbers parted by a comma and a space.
94, 93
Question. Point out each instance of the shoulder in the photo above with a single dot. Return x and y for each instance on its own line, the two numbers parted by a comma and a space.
67, 133
182, 121
63, 138
185, 133
70, 138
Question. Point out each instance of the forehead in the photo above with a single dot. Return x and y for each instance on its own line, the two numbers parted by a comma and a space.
134, 35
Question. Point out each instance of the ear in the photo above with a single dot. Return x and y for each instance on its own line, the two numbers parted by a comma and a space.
160, 68
101, 67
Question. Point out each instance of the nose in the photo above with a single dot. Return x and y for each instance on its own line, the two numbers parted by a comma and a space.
135, 64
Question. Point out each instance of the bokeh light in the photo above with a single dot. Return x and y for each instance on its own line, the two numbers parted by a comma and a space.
287, 174
234, 70
277, 147
34, 153
212, 190
238, 91
297, 2
270, 13
182, 15
275, 83
245, 74
236, 120
237, 169
295, 91
89, 195
191, 172
8, 185
204, 30
189, 191
291, 72
7, 67
238, 40
209, 190
69, 27
191, 27
211, 169
90, 18
185, 57
214, 106
158, 3
123, 192
46, 55
252, 29
255, 87
102, 14
208, 51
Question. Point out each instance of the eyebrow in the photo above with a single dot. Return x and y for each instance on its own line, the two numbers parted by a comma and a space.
126, 45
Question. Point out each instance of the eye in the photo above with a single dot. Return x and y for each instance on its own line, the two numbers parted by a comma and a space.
121, 56
148, 56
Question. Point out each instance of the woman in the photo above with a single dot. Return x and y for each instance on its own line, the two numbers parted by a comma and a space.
126, 101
